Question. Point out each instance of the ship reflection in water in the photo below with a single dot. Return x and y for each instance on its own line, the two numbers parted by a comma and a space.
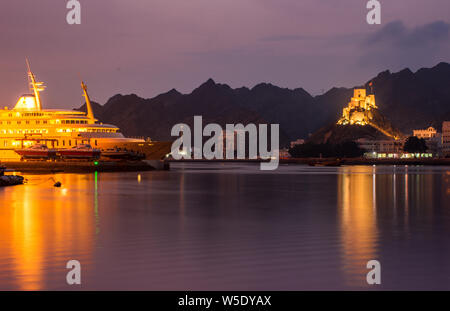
40, 226
229, 227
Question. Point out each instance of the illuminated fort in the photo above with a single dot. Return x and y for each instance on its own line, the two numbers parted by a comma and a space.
362, 111
359, 109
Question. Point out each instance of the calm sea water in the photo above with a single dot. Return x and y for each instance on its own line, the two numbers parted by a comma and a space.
229, 227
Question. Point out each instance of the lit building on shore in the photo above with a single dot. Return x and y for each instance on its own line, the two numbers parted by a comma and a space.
381, 146
388, 149
425, 134
432, 138
297, 142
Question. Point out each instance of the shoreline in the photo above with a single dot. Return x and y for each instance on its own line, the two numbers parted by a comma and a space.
363, 161
326, 161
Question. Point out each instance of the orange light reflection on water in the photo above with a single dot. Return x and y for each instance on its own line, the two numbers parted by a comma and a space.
357, 212
38, 222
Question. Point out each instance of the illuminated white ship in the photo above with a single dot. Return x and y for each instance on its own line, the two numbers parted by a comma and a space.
28, 124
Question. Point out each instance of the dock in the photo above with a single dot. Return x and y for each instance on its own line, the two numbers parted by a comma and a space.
85, 166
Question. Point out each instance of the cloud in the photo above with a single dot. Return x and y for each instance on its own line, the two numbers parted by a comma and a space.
396, 46
397, 34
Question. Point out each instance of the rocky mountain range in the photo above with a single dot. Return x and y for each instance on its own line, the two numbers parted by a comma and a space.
410, 100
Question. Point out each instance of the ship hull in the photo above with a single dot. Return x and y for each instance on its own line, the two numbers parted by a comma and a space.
153, 150
29, 154
79, 154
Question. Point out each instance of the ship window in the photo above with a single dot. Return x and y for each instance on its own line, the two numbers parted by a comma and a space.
45, 122
70, 142
27, 122
19, 122
77, 122
96, 142
9, 122
64, 142
38, 122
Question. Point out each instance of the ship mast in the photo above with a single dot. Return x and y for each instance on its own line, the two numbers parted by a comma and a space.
90, 113
35, 87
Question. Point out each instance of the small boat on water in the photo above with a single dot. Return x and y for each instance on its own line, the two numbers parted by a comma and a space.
37, 152
325, 163
83, 151
9, 180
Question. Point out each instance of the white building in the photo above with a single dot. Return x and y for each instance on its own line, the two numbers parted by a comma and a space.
388, 149
425, 134
433, 140
297, 142
385, 146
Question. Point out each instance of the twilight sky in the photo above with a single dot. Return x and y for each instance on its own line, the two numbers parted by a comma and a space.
151, 46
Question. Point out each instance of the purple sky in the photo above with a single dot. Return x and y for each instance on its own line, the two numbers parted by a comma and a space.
151, 46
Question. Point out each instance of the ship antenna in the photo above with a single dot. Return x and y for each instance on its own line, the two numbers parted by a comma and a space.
35, 87
90, 112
